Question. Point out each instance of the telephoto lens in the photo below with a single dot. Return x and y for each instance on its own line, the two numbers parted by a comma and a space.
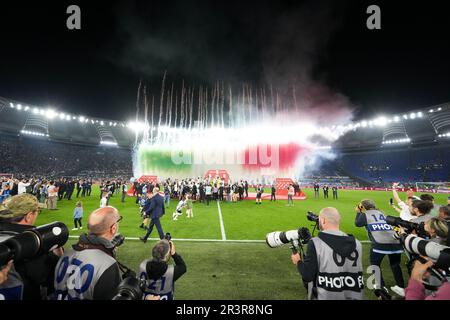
33, 242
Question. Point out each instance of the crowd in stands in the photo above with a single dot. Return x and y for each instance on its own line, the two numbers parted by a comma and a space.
32, 157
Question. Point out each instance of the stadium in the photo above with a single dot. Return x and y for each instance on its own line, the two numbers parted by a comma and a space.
252, 163
410, 148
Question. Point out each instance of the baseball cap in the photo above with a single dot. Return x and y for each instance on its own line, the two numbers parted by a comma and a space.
18, 205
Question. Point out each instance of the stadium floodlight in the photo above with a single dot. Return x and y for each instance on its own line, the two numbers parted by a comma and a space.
19, 107
412, 116
74, 118
68, 117
108, 143
81, 118
102, 123
86, 120
419, 114
27, 108
33, 133
11, 105
62, 116
110, 124
114, 124
35, 110
380, 121
431, 111
405, 117
396, 119
92, 121
50, 114
42, 112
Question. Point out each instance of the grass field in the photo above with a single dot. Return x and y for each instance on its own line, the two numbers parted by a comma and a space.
231, 269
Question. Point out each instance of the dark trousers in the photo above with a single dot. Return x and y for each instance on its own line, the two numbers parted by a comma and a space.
394, 260
78, 192
157, 223
335, 195
316, 194
77, 221
89, 190
123, 197
272, 197
208, 197
69, 194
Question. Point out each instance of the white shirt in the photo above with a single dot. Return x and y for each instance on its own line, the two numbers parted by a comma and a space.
405, 214
22, 187
103, 202
52, 191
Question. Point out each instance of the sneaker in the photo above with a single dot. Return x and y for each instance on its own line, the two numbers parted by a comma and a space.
398, 290
74, 229
81, 228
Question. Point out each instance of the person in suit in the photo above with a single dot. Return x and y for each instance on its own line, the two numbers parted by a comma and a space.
335, 191
155, 209
316, 191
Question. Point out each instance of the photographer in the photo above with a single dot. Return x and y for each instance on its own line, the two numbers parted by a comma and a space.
19, 214
332, 266
89, 271
416, 289
161, 276
381, 236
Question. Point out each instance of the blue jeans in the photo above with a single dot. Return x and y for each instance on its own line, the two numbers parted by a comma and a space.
167, 200
154, 222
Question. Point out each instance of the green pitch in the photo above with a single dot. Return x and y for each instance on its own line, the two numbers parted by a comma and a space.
227, 269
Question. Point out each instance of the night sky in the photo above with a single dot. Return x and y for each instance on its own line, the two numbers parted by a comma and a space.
96, 70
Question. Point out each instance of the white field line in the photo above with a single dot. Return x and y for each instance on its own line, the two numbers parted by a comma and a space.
204, 240
222, 227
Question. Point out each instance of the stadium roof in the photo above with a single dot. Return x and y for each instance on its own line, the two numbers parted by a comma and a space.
416, 127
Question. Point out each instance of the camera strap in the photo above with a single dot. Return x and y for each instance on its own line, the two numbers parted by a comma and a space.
87, 246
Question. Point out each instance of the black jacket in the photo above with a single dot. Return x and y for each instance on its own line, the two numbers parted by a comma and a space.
156, 270
35, 272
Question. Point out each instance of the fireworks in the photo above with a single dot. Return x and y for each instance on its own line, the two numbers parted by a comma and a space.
249, 134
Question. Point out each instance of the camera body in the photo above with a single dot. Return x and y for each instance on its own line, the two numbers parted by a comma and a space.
167, 236
311, 216
118, 240
409, 226
131, 288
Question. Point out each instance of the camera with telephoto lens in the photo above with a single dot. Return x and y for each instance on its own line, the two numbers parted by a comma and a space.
408, 226
33, 242
437, 253
278, 238
167, 236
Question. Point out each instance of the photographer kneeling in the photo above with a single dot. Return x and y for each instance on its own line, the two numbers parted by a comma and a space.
332, 266
90, 271
159, 275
